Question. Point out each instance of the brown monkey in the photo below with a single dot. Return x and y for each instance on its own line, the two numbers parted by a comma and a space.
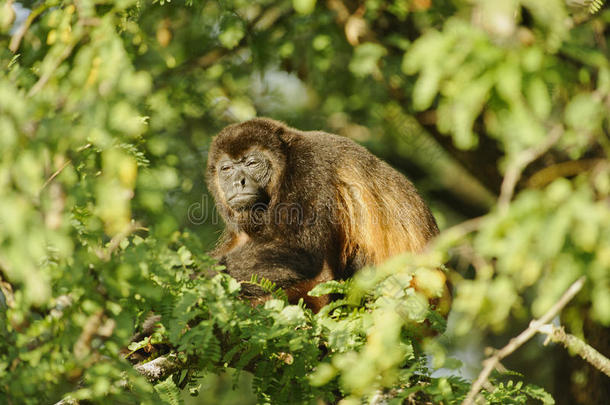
306, 207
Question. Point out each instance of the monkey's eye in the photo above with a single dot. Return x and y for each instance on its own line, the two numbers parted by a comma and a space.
251, 162
225, 168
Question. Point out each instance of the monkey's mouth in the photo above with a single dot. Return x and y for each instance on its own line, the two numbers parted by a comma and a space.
243, 200
243, 197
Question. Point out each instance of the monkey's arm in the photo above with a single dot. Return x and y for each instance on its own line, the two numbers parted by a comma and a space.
286, 267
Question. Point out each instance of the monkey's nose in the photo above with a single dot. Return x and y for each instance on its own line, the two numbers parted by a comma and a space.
240, 182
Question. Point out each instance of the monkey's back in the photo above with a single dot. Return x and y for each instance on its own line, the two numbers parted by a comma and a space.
380, 212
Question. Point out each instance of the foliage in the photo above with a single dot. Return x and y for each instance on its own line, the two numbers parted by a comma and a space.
106, 112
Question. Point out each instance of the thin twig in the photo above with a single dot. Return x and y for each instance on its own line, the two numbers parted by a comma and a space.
20, 33
513, 172
564, 169
578, 346
518, 341
466, 227
47, 75
50, 179
105, 254
82, 347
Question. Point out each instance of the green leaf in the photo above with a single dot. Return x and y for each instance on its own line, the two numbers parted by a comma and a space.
539, 98
304, 6
414, 307
329, 287
232, 34
539, 394
584, 112
508, 81
323, 374
169, 392
426, 88
366, 59
292, 315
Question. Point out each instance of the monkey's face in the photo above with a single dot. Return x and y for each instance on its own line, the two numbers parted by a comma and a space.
243, 180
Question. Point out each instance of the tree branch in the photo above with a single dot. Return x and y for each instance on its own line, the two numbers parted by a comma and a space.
159, 368
57, 172
576, 345
42, 81
518, 341
154, 370
21, 31
569, 168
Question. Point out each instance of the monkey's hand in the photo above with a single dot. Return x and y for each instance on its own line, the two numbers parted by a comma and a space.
286, 268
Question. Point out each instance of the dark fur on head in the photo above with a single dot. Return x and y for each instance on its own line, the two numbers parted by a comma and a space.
234, 141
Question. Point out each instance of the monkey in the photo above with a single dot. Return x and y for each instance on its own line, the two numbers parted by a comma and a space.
301, 208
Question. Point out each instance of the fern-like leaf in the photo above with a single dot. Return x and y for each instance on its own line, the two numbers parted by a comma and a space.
168, 392
268, 286
595, 6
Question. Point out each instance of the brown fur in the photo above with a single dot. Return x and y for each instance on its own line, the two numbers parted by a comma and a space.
334, 208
